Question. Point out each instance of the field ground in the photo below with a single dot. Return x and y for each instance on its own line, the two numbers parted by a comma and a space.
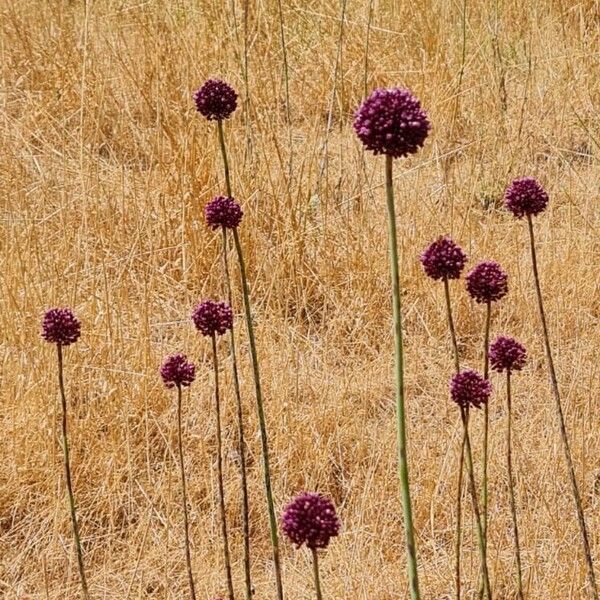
104, 170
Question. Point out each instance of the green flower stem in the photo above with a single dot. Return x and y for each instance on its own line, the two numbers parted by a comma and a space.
186, 528
561, 419
241, 439
482, 548
315, 561
261, 416
411, 550
486, 423
220, 473
67, 461
511, 487
225, 159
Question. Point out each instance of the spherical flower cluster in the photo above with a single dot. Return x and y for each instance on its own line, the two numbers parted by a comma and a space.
310, 519
469, 388
223, 211
525, 197
61, 326
213, 318
443, 259
506, 354
392, 122
215, 100
176, 370
487, 282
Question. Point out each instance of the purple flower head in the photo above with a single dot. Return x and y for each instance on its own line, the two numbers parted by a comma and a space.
443, 259
215, 100
506, 354
61, 326
469, 388
176, 370
212, 318
525, 197
310, 519
223, 211
392, 122
487, 282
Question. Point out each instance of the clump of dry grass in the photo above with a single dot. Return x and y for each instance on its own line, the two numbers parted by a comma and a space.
103, 175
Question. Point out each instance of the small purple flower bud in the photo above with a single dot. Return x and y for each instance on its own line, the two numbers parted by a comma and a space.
443, 259
392, 122
525, 197
506, 354
176, 370
215, 100
61, 326
213, 318
487, 282
469, 388
310, 519
223, 211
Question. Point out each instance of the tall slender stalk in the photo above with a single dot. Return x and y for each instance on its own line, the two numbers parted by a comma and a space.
226, 557
486, 421
411, 551
257, 385
315, 560
561, 419
285, 63
511, 488
67, 462
241, 438
186, 529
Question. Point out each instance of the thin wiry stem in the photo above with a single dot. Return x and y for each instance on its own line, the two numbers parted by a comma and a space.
317, 576
226, 557
286, 75
482, 548
561, 419
511, 486
367, 41
486, 420
411, 550
186, 528
241, 439
225, 159
67, 461
451, 325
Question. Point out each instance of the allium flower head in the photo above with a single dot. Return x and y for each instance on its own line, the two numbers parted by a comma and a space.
469, 388
487, 282
61, 326
392, 122
310, 519
525, 197
215, 100
443, 259
506, 354
176, 370
213, 318
223, 211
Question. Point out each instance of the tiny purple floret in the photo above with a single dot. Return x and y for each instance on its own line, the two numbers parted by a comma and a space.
215, 100
525, 197
213, 318
61, 326
310, 519
392, 122
487, 282
506, 354
443, 259
223, 211
469, 388
176, 370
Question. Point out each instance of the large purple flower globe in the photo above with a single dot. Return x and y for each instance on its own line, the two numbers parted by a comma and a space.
213, 318
392, 122
215, 100
506, 354
61, 326
310, 519
177, 370
223, 211
443, 259
469, 388
487, 282
525, 197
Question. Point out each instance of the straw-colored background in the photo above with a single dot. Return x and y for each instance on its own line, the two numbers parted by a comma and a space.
104, 170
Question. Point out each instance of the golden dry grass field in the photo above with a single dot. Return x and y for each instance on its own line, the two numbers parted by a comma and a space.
105, 167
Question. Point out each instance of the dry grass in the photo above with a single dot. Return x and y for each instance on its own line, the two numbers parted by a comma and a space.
104, 170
